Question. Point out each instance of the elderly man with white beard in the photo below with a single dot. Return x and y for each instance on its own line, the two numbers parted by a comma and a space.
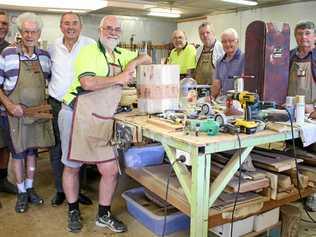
86, 119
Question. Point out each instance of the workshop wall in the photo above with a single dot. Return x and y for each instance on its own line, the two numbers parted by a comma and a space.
290, 13
144, 29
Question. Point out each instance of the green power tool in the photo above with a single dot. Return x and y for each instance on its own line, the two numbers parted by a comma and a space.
208, 126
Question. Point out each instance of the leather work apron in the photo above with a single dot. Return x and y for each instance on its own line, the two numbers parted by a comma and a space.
302, 82
92, 126
28, 132
205, 68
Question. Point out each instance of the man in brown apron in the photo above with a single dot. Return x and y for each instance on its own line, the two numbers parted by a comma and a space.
302, 79
86, 119
5, 185
24, 69
207, 55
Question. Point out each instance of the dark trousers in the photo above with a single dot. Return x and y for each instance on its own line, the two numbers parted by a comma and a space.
55, 151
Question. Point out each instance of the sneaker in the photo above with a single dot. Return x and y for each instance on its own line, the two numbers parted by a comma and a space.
74, 222
7, 187
58, 199
21, 202
33, 197
111, 222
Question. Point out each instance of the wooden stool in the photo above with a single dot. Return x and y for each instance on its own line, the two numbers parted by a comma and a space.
290, 216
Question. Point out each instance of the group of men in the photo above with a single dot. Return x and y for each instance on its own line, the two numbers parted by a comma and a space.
73, 66
215, 62
85, 79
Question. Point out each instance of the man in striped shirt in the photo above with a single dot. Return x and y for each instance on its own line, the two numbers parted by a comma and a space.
23, 71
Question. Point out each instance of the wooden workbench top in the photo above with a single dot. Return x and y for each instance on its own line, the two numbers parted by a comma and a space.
141, 121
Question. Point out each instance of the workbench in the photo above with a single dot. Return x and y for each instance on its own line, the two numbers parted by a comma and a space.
199, 195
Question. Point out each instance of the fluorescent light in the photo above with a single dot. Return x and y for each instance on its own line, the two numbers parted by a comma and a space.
65, 10
163, 12
242, 2
90, 5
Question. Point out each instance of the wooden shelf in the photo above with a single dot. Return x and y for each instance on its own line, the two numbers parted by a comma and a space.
176, 197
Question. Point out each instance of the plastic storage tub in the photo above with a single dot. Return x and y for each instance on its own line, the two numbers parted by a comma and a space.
136, 157
174, 222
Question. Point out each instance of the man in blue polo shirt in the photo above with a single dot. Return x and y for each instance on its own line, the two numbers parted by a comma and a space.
230, 65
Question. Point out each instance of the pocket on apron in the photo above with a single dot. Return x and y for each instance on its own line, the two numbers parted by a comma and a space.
31, 121
101, 130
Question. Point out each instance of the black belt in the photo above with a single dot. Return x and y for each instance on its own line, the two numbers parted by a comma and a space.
53, 99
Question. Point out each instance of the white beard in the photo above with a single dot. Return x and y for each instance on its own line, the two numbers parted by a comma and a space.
110, 43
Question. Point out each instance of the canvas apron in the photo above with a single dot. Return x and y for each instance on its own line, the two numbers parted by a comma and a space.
92, 127
205, 68
28, 132
302, 82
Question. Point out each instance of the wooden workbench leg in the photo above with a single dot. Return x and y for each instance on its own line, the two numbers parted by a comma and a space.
201, 166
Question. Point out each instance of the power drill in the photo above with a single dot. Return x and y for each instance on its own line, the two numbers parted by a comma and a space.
250, 102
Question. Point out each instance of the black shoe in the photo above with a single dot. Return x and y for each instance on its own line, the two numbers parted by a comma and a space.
74, 222
58, 199
33, 197
7, 187
83, 199
111, 222
21, 202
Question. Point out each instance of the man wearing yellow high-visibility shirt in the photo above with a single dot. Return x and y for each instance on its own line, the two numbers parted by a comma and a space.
86, 119
183, 54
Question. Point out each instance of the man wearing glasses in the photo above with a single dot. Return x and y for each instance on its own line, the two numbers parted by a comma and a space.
24, 70
230, 65
303, 64
86, 119
302, 79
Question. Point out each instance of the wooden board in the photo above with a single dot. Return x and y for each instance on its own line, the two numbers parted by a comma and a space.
309, 171
267, 58
163, 123
273, 162
273, 182
245, 185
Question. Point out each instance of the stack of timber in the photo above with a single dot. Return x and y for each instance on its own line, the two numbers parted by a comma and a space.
155, 179
249, 181
280, 169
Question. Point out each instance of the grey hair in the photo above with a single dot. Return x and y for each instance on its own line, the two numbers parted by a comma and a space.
230, 31
205, 24
107, 17
305, 25
29, 16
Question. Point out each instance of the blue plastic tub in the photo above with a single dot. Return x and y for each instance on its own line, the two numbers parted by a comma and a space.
136, 157
174, 222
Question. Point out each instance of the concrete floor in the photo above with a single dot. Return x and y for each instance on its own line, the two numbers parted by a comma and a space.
48, 221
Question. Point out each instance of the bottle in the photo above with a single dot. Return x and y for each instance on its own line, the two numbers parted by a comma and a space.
290, 105
188, 94
300, 109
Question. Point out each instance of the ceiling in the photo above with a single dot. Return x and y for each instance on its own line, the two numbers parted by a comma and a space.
189, 8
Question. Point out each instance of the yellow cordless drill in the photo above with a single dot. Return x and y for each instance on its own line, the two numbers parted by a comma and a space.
249, 101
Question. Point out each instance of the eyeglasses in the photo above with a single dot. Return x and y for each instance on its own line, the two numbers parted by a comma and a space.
27, 32
229, 41
305, 32
111, 30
